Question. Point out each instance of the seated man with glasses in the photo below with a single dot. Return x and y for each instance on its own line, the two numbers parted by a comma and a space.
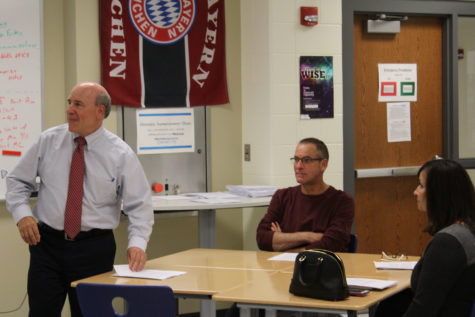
310, 215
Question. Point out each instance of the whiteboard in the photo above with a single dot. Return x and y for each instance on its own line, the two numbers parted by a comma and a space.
21, 91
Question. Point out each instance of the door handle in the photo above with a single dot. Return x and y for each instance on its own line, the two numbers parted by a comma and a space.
387, 171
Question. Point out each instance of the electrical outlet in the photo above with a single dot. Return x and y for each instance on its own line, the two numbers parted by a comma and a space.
247, 152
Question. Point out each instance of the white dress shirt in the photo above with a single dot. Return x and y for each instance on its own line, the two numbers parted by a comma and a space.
113, 178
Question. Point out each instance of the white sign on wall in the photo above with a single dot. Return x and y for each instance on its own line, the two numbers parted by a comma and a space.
165, 130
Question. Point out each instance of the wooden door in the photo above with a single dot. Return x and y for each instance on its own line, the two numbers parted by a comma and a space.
386, 216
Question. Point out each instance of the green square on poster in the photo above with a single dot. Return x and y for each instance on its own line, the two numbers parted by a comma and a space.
407, 88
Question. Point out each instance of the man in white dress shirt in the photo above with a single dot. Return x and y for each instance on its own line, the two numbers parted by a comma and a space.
113, 179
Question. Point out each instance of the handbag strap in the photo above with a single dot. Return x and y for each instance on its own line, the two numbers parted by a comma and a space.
315, 276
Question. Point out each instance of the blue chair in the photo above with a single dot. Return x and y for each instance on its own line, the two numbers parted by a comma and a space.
472, 313
139, 300
353, 245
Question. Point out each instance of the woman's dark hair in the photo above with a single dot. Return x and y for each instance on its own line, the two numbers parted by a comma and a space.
450, 195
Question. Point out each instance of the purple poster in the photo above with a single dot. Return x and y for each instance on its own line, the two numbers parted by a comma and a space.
316, 87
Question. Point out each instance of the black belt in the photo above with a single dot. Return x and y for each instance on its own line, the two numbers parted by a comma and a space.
80, 236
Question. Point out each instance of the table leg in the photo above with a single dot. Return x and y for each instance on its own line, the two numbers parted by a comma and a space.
244, 312
207, 308
207, 228
207, 239
271, 312
352, 313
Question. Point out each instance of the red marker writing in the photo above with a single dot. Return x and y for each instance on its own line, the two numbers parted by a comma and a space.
13, 153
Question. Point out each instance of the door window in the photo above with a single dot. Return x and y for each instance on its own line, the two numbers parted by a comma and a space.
466, 78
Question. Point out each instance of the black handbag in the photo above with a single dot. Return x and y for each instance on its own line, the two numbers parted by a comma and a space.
319, 274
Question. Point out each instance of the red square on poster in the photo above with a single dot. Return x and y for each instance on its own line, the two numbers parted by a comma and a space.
388, 88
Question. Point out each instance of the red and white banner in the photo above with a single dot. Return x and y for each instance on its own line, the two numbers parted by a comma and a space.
163, 53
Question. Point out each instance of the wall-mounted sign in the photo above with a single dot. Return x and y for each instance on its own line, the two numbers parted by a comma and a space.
316, 87
165, 130
399, 121
397, 82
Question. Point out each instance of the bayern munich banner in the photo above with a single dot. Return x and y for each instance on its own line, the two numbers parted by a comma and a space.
163, 53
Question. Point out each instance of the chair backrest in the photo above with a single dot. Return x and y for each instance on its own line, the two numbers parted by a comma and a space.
472, 313
353, 245
140, 300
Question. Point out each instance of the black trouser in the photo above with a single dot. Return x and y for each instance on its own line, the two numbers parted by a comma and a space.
56, 262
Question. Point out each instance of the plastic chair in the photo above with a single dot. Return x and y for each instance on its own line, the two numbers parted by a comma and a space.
353, 245
140, 300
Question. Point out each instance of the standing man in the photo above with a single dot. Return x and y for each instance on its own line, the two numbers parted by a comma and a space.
310, 215
87, 175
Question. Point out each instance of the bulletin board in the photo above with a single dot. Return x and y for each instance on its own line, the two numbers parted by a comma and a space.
21, 89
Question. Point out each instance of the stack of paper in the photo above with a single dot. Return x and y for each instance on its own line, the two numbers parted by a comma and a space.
369, 283
251, 190
214, 197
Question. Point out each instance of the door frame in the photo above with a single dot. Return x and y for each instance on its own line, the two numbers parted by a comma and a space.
449, 11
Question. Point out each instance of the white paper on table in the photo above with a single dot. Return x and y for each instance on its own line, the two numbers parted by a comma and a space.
284, 257
395, 265
369, 283
123, 270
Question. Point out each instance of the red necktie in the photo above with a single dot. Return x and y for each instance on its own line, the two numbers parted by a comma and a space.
72, 217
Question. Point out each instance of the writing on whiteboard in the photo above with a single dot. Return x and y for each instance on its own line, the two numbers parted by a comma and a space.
18, 54
21, 91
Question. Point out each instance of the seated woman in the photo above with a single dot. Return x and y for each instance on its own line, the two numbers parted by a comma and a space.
443, 281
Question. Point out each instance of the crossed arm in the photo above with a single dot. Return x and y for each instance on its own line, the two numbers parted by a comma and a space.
307, 224
292, 242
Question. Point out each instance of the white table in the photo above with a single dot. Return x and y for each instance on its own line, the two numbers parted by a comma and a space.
206, 212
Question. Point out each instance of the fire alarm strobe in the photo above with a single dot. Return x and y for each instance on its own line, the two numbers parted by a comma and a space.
308, 16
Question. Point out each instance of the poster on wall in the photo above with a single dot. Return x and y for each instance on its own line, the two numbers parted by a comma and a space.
397, 82
316, 87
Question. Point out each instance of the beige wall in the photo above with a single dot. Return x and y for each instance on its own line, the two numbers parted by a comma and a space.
71, 54
271, 123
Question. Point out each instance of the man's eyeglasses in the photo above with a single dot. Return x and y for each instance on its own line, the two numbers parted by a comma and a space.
305, 160
393, 257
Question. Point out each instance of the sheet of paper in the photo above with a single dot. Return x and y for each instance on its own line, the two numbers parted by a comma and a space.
399, 121
395, 265
397, 82
124, 271
369, 283
284, 257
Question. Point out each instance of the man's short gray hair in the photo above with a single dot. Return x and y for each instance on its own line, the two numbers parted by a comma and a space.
103, 98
